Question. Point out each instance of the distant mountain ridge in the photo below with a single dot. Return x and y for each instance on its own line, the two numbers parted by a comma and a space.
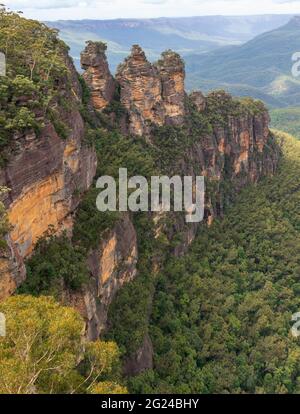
260, 68
187, 35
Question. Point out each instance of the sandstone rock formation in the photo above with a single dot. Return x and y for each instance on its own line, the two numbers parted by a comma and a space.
172, 74
141, 91
44, 175
152, 93
198, 100
112, 265
97, 74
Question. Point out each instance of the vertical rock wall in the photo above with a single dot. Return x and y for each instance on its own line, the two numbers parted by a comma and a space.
45, 174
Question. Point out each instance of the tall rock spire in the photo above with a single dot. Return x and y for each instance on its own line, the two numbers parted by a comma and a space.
97, 75
172, 73
152, 93
141, 91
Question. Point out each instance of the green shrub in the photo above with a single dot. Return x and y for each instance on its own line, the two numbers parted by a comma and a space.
56, 264
90, 224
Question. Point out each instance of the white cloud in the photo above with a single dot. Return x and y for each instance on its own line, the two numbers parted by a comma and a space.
154, 1
108, 9
53, 4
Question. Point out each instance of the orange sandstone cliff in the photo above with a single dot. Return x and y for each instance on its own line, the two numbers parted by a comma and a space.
46, 175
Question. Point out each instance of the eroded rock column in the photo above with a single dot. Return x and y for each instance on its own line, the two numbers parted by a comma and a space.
172, 73
97, 75
141, 91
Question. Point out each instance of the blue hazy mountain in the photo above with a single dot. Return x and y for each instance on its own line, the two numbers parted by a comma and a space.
188, 36
260, 68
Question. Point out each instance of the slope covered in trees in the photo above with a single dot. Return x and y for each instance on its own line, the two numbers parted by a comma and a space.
221, 317
260, 68
287, 120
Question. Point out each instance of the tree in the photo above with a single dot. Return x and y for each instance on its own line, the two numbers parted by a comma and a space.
44, 348
108, 388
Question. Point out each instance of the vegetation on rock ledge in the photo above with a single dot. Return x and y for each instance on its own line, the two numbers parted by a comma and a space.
35, 67
56, 265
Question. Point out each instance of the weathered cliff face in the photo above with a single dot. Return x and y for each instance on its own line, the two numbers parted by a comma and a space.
231, 157
152, 94
239, 151
97, 74
45, 174
112, 265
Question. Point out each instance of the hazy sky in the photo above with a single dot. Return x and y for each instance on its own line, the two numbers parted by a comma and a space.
111, 9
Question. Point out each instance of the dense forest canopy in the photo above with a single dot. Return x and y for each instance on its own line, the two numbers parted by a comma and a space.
221, 319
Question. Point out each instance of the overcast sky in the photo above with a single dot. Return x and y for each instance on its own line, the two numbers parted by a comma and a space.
111, 9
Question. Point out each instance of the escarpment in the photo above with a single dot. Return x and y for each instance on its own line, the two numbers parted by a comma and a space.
236, 150
46, 175
226, 140
49, 172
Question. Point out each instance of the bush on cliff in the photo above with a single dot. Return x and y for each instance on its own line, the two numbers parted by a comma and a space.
55, 265
90, 224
